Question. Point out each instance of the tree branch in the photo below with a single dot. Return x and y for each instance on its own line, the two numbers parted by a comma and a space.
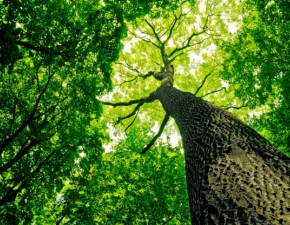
218, 90
136, 109
172, 59
139, 103
60, 220
202, 83
140, 75
234, 107
144, 39
13, 117
154, 32
161, 128
132, 102
40, 48
187, 45
131, 122
31, 117
11, 194
172, 27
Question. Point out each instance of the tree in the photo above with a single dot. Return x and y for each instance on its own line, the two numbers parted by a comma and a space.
234, 175
56, 58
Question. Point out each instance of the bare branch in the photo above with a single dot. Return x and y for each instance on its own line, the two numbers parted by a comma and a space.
131, 122
136, 109
128, 67
172, 59
140, 75
139, 103
202, 83
187, 45
172, 27
132, 102
161, 128
234, 107
144, 76
223, 88
145, 39
154, 32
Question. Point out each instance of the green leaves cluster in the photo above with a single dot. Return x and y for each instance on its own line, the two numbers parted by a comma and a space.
126, 188
257, 59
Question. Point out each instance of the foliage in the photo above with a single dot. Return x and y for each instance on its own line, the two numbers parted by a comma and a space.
58, 56
126, 188
257, 62
190, 37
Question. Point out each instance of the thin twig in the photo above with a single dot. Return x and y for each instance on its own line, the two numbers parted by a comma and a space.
202, 83
154, 32
223, 88
131, 122
161, 128
135, 110
233, 107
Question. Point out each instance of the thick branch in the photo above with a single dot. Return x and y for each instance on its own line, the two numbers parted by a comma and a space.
22, 152
39, 48
161, 128
11, 194
132, 102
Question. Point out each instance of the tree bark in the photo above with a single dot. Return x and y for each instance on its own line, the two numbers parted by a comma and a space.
234, 175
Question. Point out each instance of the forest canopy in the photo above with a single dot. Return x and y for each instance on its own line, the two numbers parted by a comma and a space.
68, 158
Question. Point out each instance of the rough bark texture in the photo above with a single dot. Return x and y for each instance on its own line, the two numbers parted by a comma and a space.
234, 176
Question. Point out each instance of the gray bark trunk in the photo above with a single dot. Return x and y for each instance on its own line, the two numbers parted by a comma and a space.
234, 176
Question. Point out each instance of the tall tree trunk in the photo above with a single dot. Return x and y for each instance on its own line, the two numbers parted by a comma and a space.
234, 176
